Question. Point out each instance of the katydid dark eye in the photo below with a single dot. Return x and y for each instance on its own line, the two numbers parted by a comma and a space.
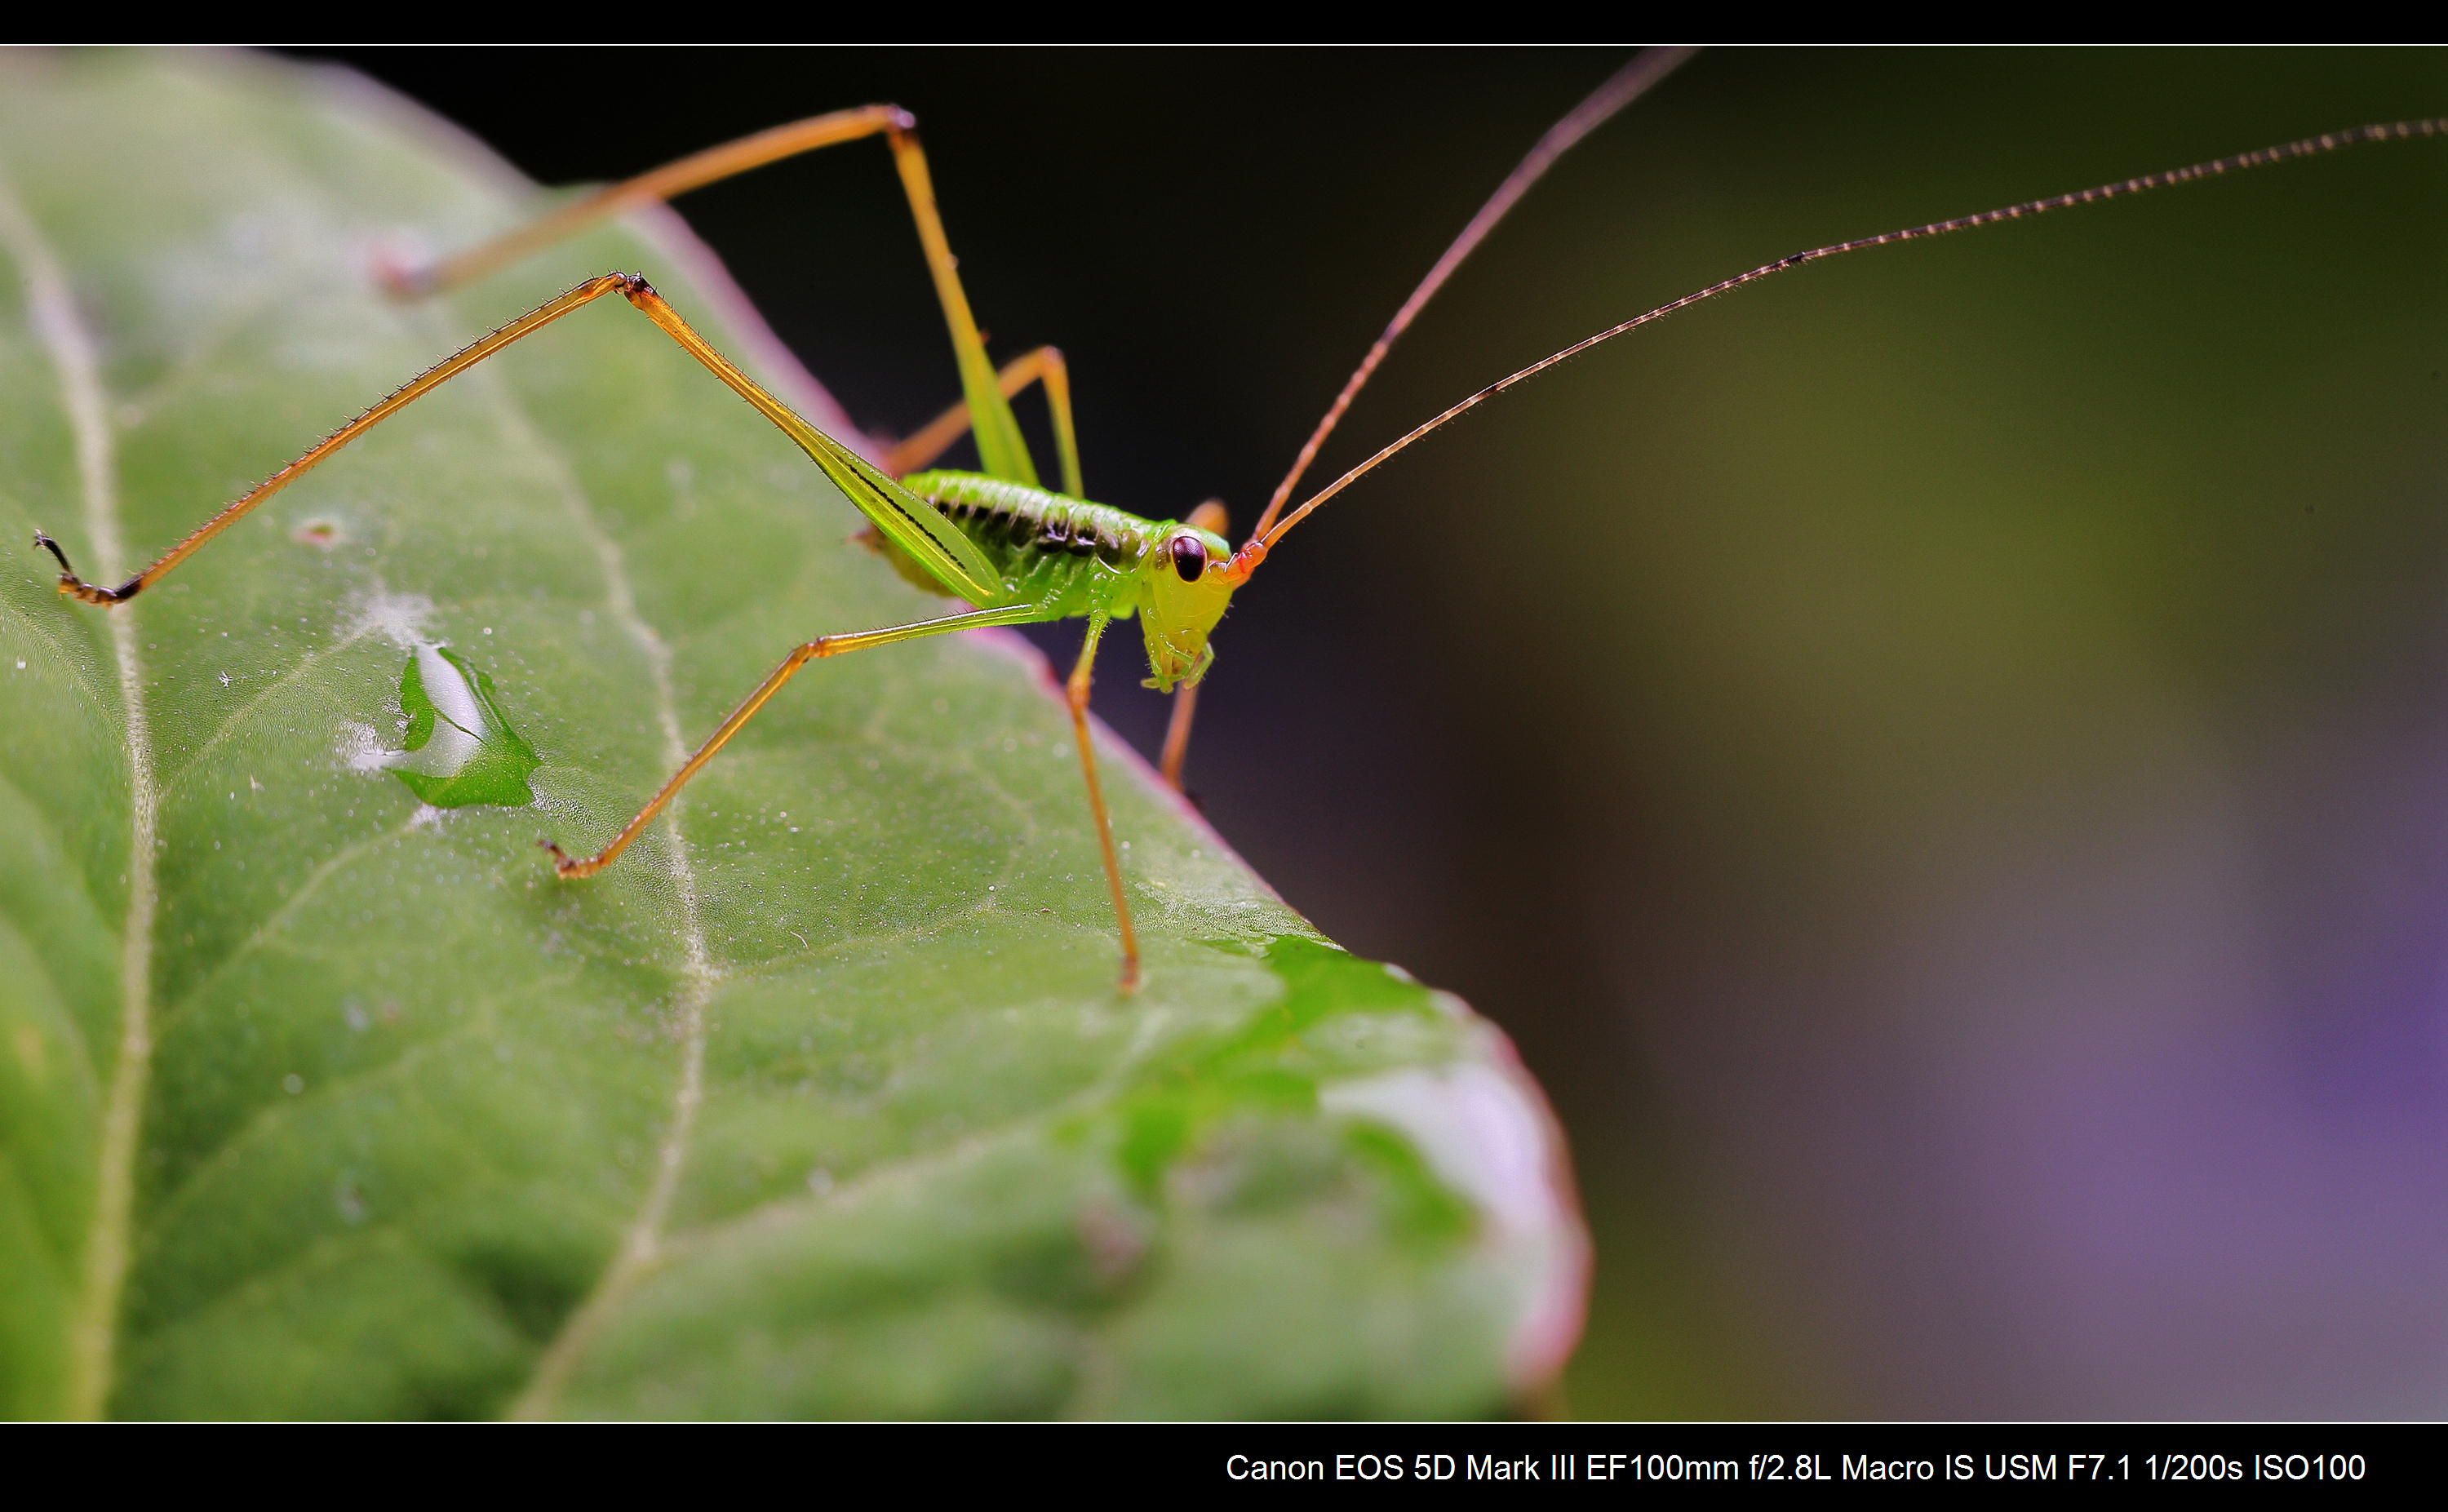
1189, 557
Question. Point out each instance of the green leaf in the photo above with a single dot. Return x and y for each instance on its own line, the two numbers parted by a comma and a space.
319, 1095
480, 757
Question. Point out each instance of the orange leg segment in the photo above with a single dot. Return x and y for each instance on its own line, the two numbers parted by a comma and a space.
693, 172
628, 285
1075, 690
417, 387
936, 437
829, 645
1000, 451
1176, 734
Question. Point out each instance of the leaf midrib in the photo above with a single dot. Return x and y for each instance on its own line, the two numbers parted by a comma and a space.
84, 401
51, 311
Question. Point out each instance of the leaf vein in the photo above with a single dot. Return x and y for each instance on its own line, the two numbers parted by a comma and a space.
698, 975
53, 311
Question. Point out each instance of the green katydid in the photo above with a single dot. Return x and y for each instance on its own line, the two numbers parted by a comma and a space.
1014, 552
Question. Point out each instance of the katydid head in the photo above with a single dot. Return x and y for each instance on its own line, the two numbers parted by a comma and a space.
1186, 583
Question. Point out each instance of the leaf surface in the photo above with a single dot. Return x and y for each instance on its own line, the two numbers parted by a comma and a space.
317, 1099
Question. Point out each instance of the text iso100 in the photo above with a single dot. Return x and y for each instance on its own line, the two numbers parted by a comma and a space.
2308, 1467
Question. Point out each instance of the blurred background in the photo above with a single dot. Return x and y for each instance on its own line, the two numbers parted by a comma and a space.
1940, 763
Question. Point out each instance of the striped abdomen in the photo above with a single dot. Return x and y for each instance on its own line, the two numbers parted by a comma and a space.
1067, 554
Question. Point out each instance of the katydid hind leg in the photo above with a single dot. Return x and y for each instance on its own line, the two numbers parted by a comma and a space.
398, 399
949, 556
1000, 451
696, 170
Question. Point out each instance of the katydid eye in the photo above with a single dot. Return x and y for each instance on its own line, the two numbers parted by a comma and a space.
1189, 557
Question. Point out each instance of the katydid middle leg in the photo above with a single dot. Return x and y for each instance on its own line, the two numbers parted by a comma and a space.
936, 436
823, 645
1075, 690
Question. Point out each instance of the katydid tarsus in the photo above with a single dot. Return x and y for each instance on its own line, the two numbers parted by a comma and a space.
1013, 551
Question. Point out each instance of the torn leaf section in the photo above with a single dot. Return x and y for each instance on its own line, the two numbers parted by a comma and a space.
460, 749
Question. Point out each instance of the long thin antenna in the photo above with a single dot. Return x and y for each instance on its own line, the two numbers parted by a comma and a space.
1630, 83
2308, 146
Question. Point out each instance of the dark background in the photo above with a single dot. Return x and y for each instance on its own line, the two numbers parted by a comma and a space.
1936, 761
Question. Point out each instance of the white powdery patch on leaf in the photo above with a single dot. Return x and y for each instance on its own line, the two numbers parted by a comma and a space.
362, 748
398, 618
